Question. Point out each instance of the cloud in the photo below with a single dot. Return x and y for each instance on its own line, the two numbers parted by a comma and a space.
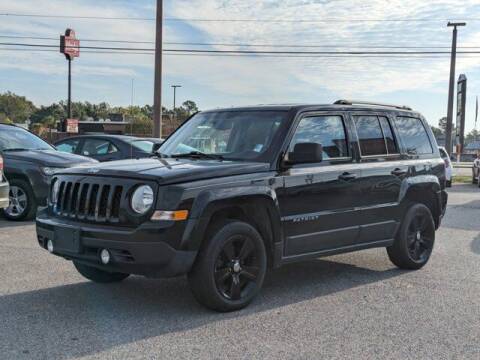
219, 81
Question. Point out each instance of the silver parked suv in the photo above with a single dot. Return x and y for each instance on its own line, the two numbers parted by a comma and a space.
3, 187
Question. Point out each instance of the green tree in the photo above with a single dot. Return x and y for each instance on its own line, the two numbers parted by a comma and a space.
16, 108
437, 131
190, 107
472, 136
49, 122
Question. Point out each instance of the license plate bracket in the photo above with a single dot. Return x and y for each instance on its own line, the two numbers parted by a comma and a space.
67, 239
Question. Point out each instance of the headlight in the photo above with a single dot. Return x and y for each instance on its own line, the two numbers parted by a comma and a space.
55, 190
142, 199
49, 171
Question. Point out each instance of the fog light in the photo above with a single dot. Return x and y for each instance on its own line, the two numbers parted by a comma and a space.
105, 256
50, 246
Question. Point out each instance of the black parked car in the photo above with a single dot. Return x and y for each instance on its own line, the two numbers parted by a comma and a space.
236, 191
29, 163
4, 187
109, 147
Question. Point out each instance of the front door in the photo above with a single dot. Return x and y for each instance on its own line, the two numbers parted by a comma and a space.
318, 202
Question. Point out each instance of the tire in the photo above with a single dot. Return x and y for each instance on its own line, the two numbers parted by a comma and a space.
415, 239
230, 268
97, 275
23, 205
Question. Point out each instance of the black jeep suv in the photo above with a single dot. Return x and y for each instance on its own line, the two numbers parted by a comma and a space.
236, 191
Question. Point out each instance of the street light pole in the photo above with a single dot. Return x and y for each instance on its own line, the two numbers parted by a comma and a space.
157, 97
451, 89
175, 96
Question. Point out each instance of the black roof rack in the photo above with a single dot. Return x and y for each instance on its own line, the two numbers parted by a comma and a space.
352, 102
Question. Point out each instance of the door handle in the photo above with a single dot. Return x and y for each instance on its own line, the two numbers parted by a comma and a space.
347, 176
398, 172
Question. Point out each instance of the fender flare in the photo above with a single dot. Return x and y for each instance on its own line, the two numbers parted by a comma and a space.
212, 200
423, 182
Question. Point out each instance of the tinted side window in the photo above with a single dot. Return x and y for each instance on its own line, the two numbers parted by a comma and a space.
370, 135
414, 136
388, 134
329, 131
98, 147
68, 146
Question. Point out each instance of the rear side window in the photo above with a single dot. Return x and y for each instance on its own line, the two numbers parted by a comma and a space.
375, 135
329, 131
93, 147
68, 146
414, 136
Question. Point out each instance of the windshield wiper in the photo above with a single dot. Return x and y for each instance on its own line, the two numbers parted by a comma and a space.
15, 149
159, 155
197, 155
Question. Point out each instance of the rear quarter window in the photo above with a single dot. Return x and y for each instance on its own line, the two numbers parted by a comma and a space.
414, 136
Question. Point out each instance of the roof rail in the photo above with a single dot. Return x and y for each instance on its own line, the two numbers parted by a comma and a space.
354, 102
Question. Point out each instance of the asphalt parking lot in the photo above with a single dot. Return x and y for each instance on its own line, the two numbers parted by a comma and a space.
355, 306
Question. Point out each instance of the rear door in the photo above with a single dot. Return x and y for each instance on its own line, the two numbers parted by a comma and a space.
382, 174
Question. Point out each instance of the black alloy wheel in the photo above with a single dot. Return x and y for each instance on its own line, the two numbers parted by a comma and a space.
230, 267
415, 239
419, 238
237, 268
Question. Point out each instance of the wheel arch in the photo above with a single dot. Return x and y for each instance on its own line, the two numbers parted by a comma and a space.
426, 190
257, 208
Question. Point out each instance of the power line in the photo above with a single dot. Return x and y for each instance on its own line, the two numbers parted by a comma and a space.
341, 45
350, 52
324, 20
324, 56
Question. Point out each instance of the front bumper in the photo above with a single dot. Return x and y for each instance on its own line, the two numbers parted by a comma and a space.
4, 189
140, 251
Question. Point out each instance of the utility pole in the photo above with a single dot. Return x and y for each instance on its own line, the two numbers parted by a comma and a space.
131, 96
175, 97
69, 101
451, 89
157, 91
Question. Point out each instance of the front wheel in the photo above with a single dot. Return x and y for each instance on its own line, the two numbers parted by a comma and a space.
97, 275
414, 241
230, 268
22, 204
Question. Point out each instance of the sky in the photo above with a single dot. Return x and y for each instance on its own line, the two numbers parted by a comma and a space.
222, 81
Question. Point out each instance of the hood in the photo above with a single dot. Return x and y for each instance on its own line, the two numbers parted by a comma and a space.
52, 158
170, 170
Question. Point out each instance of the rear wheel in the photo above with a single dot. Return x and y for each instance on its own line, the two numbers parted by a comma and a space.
415, 239
230, 268
97, 275
22, 204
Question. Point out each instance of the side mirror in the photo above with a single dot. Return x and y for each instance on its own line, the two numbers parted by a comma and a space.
304, 153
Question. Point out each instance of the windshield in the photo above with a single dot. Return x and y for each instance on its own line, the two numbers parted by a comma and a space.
234, 135
14, 138
144, 145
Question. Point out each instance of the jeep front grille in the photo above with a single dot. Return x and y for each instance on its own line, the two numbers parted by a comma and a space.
85, 200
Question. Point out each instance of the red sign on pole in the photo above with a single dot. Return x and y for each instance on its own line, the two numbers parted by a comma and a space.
72, 126
69, 45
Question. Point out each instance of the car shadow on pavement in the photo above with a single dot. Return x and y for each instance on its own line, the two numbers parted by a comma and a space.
475, 245
5, 224
86, 318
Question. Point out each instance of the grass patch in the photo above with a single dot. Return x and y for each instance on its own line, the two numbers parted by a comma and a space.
462, 179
